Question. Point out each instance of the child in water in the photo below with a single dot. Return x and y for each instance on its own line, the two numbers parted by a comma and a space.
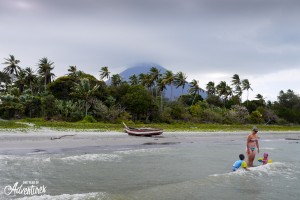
240, 163
265, 159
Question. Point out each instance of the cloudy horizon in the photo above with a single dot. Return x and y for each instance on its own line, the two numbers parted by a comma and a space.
209, 40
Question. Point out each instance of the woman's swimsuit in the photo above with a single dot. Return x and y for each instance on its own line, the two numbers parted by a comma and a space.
252, 140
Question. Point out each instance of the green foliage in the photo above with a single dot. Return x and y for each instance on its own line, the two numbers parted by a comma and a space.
69, 110
10, 107
237, 115
32, 105
89, 119
61, 88
137, 101
48, 106
26, 94
256, 117
11, 125
288, 106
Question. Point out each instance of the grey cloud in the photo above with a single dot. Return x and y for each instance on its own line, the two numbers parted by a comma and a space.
221, 35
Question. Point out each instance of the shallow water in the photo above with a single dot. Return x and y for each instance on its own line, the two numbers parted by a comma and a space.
198, 170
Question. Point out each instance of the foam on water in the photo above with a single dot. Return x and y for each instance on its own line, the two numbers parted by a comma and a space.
267, 148
29, 158
143, 151
277, 168
93, 157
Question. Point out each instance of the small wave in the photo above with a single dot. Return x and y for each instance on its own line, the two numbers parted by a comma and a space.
142, 151
276, 168
93, 157
30, 158
267, 148
93, 195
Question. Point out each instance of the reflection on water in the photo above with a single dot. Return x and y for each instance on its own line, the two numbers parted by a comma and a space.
199, 170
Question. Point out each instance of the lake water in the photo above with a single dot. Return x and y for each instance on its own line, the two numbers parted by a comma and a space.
197, 170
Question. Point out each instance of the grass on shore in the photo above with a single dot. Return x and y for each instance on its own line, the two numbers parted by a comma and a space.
99, 126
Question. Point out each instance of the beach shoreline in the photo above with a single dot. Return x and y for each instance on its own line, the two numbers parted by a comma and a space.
47, 140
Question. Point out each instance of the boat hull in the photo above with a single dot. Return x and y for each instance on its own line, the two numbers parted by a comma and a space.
143, 132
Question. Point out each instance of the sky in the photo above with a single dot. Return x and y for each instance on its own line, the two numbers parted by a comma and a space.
209, 40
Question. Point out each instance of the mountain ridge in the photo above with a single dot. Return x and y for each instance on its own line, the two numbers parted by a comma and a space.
145, 68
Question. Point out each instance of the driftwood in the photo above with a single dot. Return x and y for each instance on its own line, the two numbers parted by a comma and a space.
162, 143
55, 138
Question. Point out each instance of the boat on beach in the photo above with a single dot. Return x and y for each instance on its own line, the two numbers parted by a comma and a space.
146, 132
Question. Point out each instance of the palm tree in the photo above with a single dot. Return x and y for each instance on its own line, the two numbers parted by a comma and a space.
195, 89
180, 80
236, 82
261, 99
104, 73
73, 71
168, 79
30, 77
21, 81
85, 91
210, 88
12, 67
246, 86
116, 80
154, 75
228, 92
133, 80
45, 68
144, 79
223, 91
161, 86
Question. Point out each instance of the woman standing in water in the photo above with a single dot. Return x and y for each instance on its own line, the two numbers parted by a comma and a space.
252, 144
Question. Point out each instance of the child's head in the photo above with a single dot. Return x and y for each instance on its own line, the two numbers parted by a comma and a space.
241, 156
266, 155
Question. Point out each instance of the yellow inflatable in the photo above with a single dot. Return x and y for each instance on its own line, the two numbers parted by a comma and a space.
261, 160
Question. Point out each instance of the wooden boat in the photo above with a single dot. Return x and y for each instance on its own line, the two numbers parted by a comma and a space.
146, 132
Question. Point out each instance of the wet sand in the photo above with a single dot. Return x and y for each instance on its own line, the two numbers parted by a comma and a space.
15, 142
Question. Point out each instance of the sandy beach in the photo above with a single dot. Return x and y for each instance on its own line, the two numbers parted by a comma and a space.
47, 140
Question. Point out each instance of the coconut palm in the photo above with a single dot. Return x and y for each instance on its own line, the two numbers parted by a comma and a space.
180, 80
85, 91
246, 86
30, 78
12, 67
223, 91
210, 88
261, 99
236, 82
104, 73
45, 68
21, 81
154, 75
73, 71
133, 80
161, 86
116, 80
195, 89
168, 79
144, 79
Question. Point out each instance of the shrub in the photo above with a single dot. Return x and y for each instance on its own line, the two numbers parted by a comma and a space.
89, 119
256, 117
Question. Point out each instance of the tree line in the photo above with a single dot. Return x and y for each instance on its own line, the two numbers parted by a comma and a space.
28, 93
